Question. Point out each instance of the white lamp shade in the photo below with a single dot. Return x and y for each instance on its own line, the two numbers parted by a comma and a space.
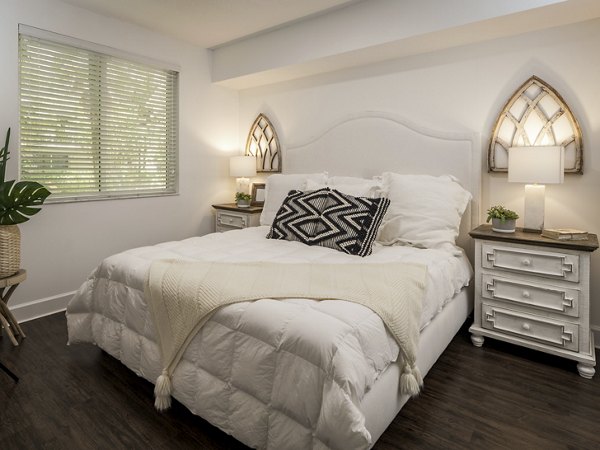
540, 164
242, 166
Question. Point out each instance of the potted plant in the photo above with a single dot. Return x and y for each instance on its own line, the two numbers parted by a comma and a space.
242, 200
503, 220
18, 201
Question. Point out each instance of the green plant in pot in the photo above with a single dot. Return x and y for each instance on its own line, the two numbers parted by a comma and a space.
242, 200
503, 219
18, 201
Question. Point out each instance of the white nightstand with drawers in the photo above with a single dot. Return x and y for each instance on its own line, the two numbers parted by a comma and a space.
535, 292
231, 217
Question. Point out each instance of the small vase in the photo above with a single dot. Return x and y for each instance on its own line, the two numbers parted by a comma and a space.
10, 250
243, 203
507, 226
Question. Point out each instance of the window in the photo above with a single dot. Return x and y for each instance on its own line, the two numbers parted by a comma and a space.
95, 125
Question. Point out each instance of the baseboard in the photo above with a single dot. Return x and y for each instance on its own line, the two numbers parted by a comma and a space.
41, 307
596, 331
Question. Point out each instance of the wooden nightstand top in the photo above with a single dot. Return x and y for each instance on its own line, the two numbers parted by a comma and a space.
236, 208
521, 237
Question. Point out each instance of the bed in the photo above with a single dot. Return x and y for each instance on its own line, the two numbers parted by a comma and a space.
277, 373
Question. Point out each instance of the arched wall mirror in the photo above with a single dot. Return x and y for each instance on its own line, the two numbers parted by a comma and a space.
536, 115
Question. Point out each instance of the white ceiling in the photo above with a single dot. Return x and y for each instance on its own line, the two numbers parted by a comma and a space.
257, 42
210, 23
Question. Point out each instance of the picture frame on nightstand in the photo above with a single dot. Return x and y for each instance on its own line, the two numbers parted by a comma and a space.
258, 194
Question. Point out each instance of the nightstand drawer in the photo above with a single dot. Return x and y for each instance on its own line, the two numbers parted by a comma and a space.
548, 298
562, 266
558, 334
231, 220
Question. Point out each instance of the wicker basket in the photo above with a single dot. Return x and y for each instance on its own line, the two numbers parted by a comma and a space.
10, 250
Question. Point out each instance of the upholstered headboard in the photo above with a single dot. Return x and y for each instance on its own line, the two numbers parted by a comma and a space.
369, 143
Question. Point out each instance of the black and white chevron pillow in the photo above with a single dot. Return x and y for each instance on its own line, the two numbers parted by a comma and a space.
298, 217
349, 224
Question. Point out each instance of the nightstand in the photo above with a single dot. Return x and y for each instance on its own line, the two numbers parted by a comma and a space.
535, 292
231, 217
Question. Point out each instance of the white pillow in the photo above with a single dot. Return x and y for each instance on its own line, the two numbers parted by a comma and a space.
357, 187
424, 211
353, 180
277, 187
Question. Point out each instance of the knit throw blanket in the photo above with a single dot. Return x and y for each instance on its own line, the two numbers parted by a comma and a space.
183, 295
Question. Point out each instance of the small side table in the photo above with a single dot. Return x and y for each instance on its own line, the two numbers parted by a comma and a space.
8, 321
229, 216
535, 292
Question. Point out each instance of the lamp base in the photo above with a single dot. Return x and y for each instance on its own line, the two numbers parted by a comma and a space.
242, 184
534, 208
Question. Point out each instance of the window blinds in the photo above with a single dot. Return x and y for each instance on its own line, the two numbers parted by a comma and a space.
94, 125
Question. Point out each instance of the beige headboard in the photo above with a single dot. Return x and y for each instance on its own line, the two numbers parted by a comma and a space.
371, 142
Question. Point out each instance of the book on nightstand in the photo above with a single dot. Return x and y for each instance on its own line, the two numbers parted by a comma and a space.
565, 234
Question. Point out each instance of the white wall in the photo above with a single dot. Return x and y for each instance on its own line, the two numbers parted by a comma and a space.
464, 88
64, 242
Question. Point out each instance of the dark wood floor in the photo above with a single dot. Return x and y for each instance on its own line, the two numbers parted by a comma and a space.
499, 396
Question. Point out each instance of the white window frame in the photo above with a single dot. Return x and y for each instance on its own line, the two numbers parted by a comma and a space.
173, 188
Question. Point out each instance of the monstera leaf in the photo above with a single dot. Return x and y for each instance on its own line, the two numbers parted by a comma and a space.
18, 201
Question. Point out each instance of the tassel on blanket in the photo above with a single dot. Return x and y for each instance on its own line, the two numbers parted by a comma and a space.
162, 391
411, 380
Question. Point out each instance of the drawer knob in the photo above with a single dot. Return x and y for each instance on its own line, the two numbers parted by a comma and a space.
526, 262
526, 326
526, 294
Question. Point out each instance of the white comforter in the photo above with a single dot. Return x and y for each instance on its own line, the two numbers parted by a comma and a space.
274, 374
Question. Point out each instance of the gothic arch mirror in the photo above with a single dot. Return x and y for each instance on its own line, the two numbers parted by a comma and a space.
263, 143
536, 115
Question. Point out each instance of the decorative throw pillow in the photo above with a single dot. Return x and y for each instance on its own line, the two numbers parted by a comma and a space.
349, 224
298, 216
277, 187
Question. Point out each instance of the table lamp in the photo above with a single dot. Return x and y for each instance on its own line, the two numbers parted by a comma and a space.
536, 166
242, 167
